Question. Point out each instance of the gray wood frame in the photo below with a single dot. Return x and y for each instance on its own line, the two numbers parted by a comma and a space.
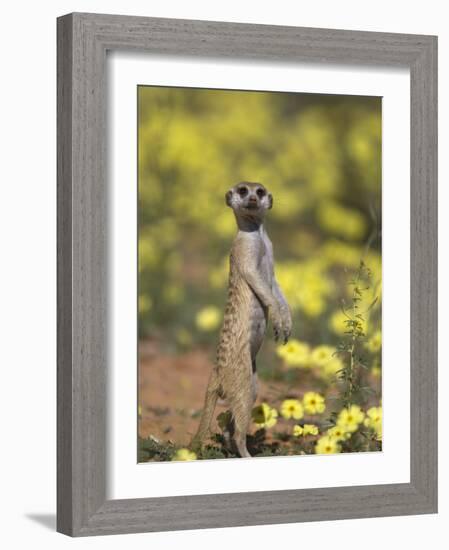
83, 40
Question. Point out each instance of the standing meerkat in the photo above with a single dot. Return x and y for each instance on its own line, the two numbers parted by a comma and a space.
253, 297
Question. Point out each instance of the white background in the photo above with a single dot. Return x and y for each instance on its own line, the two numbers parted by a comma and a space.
27, 287
131, 480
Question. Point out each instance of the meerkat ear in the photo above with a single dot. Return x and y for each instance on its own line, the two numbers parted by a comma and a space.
228, 197
270, 200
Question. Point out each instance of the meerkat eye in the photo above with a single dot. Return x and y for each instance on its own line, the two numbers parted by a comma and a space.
261, 193
242, 191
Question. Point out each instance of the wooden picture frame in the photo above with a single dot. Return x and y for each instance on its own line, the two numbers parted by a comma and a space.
83, 40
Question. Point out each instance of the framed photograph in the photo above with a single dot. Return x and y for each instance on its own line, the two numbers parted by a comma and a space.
247, 274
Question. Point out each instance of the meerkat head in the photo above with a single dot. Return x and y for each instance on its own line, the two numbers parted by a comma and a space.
249, 199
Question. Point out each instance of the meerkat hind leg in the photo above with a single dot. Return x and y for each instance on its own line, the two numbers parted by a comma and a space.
241, 412
240, 437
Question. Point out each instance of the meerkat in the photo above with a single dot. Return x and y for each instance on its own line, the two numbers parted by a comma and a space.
254, 296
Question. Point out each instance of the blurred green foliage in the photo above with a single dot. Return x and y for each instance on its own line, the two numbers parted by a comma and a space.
319, 155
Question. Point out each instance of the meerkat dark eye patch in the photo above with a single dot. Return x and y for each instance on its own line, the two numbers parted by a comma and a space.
242, 191
261, 192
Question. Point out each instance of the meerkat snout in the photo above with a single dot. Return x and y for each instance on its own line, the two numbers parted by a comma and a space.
249, 197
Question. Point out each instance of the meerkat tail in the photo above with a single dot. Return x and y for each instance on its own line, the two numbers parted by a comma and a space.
208, 411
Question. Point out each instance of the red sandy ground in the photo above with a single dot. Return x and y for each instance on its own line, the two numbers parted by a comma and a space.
171, 390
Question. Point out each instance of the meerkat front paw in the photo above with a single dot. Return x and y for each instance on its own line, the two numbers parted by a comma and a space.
276, 321
286, 318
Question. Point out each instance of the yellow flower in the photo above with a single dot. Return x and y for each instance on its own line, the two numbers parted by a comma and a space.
292, 408
338, 433
324, 357
310, 429
184, 454
341, 253
332, 367
337, 322
313, 403
306, 285
373, 420
349, 419
208, 318
321, 355
375, 342
338, 220
327, 445
139, 410
294, 353
264, 416
307, 429
312, 304
298, 430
